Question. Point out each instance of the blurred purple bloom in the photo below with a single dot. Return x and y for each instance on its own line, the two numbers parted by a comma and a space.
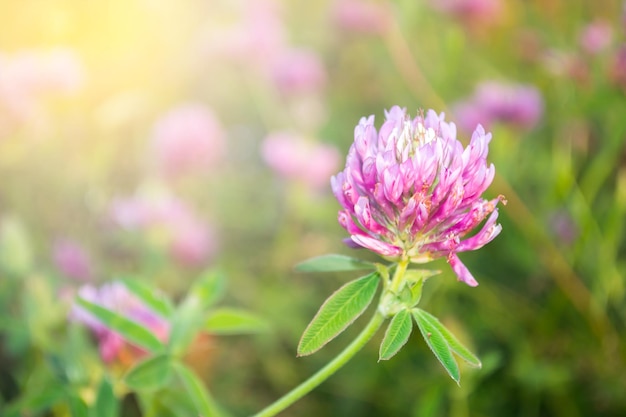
410, 190
360, 16
188, 139
596, 37
254, 38
295, 158
193, 243
35, 73
190, 240
493, 102
29, 77
72, 260
299, 71
471, 12
116, 297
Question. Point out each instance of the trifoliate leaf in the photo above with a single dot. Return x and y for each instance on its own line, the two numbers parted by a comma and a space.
437, 344
396, 336
338, 312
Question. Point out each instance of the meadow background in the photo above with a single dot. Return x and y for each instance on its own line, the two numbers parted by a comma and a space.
161, 139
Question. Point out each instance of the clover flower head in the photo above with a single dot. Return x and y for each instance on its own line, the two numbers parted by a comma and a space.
115, 296
411, 191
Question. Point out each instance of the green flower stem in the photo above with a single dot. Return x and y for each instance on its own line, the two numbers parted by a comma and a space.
328, 370
398, 276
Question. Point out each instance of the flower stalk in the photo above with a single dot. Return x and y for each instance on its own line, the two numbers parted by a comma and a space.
398, 276
323, 374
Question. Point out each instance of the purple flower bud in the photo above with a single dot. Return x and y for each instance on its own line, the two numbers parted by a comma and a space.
415, 193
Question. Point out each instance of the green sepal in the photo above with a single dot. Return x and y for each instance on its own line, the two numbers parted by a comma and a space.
415, 275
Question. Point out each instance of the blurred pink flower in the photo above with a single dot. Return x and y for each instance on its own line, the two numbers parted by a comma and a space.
116, 297
190, 240
471, 12
255, 37
299, 71
596, 37
72, 260
188, 139
193, 242
494, 102
295, 158
360, 16
30, 76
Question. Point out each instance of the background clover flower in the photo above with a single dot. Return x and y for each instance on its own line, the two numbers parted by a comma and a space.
294, 157
72, 260
166, 220
115, 296
517, 105
411, 191
189, 139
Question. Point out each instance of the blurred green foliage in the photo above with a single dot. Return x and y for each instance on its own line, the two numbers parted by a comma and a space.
547, 320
